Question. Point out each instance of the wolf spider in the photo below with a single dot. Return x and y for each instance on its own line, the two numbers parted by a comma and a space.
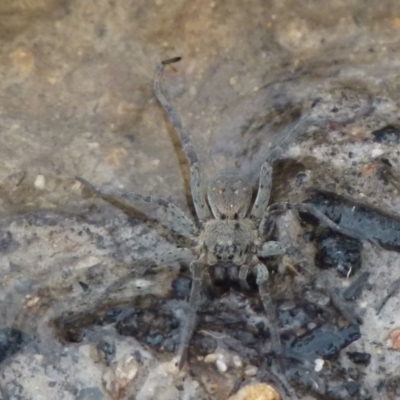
230, 232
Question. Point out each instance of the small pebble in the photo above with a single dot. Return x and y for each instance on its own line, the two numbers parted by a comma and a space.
23, 60
251, 370
259, 391
210, 358
120, 375
33, 301
40, 182
142, 283
376, 152
221, 366
237, 362
394, 339
319, 364
51, 372
233, 81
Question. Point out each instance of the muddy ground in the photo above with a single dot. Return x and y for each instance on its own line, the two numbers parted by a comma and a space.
319, 79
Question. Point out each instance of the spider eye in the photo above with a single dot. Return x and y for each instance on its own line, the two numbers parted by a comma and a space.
223, 216
230, 257
236, 216
219, 257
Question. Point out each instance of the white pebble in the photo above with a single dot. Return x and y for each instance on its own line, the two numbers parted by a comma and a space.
195, 384
376, 152
210, 358
319, 364
364, 304
233, 80
221, 366
40, 182
237, 362
251, 370
142, 283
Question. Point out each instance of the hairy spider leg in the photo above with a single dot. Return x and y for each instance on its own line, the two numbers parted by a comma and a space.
270, 248
175, 220
264, 191
198, 195
197, 269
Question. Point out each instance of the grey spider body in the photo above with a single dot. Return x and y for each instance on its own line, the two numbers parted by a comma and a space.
229, 231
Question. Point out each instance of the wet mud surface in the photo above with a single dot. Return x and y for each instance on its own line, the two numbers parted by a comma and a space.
86, 313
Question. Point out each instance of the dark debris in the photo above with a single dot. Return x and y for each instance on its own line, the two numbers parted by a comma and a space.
366, 222
337, 251
359, 358
387, 135
11, 341
236, 322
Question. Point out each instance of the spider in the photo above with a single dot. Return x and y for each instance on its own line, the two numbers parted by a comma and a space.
229, 231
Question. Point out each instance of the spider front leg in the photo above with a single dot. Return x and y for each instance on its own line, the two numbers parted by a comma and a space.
319, 215
197, 269
175, 218
269, 249
243, 272
262, 280
198, 197
179, 255
264, 191
272, 248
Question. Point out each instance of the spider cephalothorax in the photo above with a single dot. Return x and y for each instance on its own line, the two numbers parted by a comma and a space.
229, 195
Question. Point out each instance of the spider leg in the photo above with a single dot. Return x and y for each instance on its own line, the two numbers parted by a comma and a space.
264, 191
140, 266
198, 197
179, 255
319, 215
175, 219
267, 225
243, 272
269, 308
309, 208
197, 269
341, 305
207, 285
272, 248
